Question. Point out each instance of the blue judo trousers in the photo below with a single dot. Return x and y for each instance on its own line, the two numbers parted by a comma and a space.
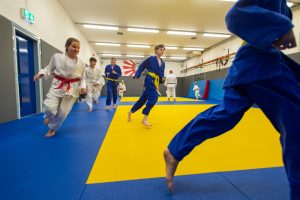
259, 74
112, 83
149, 95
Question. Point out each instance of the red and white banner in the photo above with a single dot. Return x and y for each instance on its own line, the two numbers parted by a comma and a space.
129, 67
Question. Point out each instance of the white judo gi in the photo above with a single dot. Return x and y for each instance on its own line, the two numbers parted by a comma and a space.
67, 81
197, 92
121, 89
171, 83
94, 82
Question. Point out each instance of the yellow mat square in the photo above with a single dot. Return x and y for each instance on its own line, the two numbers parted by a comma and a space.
160, 99
130, 151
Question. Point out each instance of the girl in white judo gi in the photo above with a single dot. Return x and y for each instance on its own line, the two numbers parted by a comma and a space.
94, 82
67, 72
121, 88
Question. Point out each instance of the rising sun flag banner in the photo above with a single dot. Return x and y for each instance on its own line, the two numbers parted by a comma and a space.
129, 67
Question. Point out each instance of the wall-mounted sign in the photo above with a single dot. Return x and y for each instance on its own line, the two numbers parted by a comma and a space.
28, 16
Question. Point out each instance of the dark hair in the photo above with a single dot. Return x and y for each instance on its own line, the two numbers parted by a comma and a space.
171, 71
159, 46
113, 58
93, 59
69, 42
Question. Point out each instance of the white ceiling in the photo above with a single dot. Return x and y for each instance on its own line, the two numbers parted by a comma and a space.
188, 15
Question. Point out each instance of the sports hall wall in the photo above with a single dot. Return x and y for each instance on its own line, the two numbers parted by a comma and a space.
52, 26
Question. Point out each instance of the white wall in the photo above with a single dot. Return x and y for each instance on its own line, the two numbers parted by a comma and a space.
233, 45
175, 66
52, 24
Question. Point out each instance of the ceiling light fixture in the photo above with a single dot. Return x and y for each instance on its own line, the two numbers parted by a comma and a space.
101, 27
193, 49
177, 58
110, 55
135, 56
108, 44
138, 46
181, 33
143, 30
171, 48
216, 35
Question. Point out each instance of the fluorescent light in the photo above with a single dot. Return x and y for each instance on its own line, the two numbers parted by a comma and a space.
138, 46
193, 49
169, 47
181, 33
102, 27
163, 57
290, 4
216, 35
177, 58
108, 44
110, 55
134, 56
143, 30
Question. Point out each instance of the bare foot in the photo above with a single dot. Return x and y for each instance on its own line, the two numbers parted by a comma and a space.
50, 133
89, 110
146, 123
171, 166
129, 116
96, 102
174, 100
107, 107
46, 121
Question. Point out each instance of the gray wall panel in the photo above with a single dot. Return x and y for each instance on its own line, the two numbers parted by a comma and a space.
8, 108
47, 52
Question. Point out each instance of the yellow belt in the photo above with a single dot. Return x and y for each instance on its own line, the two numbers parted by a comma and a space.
110, 79
243, 43
156, 79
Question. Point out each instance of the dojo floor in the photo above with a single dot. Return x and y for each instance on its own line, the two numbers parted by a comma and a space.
99, 155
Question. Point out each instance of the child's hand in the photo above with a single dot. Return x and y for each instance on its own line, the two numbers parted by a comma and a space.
83, 91
287, 41
37, 77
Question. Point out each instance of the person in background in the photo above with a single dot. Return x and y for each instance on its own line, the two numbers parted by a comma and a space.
112, 73
171, 83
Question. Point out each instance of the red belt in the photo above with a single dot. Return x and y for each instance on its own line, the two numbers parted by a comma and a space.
65, 80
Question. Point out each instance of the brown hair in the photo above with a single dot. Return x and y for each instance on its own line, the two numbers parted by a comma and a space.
69, 42
159, 46
93, 59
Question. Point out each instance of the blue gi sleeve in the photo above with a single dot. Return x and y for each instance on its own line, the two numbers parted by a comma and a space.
142, 67
106, 71
257, 25
119, 71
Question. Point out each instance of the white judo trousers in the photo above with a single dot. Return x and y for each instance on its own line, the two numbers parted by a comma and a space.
171, 83
95, 83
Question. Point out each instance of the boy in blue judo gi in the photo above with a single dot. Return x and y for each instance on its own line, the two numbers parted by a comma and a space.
156, 68
261, 74
112, 73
